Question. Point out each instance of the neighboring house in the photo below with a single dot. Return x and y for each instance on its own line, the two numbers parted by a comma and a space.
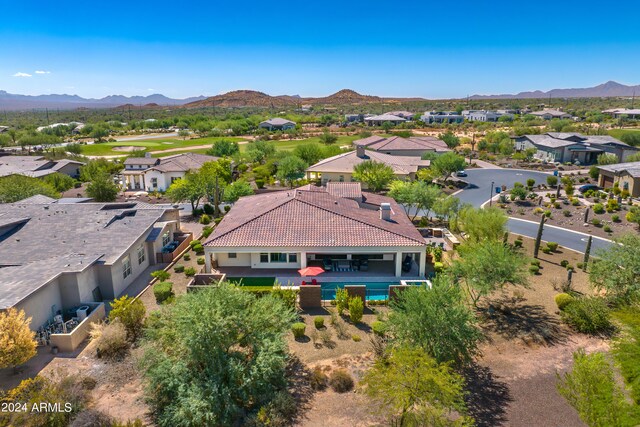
281, 232
398, 146
442, 117
627, 175
485, 116
572, 147
354, 118
4, 129
551, 114
56, 257
616, 113
340, 168
277, 124
37, 166
383, 118
77, 125
408, 115
158, 173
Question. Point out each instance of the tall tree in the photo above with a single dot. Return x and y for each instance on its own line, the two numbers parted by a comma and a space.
450, 139
237, 189
483, 224
224, 148
447, 163
187, 188
102, 188
617, 268
414, 389
215, 355
17, 340
377, 176
417, 197
437, 320
291, 168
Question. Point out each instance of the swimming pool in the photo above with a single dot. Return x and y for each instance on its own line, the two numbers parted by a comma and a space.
375, 290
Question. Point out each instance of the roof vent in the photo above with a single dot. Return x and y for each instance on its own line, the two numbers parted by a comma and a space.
360, 151
385, 211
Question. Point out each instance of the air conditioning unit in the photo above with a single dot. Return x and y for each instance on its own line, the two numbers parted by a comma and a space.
81, 312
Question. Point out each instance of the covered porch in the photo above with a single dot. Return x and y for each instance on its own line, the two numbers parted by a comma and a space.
134, 180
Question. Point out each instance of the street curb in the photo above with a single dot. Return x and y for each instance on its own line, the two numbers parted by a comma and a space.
562, 228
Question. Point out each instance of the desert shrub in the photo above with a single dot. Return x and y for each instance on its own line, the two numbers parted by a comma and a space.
208, 209
535, 262
557, 205
205, 219
589, 315
615, 218
356, 338
318, 380
580, 265
298, 329
356, 309
379, 328
288, 296
342, 300
161, 275
438, 266
562, 300
553, 246
534, 269
564, 263
110, 339
569, 267
340, 381
517, 243
341, 329
318, 321
547, 213
178, 268
200, 261
607, 229
575, 202
186, 257
277, 413
566, 213
596, 222
131, 313
546, 250
326, 337
162, 291
598, 208
538, 211
198, 249
194, 243
190, 271
206, 231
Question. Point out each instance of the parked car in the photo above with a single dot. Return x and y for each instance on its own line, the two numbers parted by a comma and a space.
461, 173
583, 189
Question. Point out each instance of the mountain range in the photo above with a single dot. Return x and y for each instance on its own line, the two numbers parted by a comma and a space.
604, 90
10, 101
251, 98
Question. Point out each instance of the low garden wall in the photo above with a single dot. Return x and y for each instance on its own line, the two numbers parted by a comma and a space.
202, 280
359, 291
70, 341
184, 239
310, 296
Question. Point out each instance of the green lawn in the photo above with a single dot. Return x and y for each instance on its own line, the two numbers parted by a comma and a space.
107, 148
617, 133
287, 145
253, 282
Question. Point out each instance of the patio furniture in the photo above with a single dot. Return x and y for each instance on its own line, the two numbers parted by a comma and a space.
314, 282
326, 264
364, 265
406, 264
303, 283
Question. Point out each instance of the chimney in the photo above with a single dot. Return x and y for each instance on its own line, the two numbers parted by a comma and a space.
360, 151
385, 211
147, 155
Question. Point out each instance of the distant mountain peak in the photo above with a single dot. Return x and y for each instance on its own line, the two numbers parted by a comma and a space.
608, 89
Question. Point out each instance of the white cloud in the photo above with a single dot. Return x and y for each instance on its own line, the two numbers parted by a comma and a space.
150, 90
43, 72
19, 74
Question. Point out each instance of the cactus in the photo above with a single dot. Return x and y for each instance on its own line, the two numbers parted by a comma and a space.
586, 215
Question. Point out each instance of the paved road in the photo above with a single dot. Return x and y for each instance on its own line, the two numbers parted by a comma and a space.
480, 190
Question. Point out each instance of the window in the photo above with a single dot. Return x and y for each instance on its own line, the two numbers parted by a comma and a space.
264, 257
126, 267
165, 239
233, 255
293, 257
341, 178
277, 257
141, 254
173, 178
154, 182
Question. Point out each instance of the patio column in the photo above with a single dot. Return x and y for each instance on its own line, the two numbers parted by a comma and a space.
207, 262
422, 262
398, 264
141, 182
303, 260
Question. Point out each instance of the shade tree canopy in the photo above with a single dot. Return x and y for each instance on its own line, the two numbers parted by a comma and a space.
377, 176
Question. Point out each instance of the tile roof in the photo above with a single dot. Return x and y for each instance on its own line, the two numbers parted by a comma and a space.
141, 160
303, 218
554, 113
385, 118
345, 162
396, 143
348, 190
632, 168
182, 162
35, 166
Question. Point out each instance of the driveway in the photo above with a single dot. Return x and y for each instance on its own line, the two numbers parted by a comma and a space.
480, 190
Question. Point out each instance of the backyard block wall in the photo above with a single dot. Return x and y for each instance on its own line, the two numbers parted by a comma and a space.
310, 296
69, 342
357, 291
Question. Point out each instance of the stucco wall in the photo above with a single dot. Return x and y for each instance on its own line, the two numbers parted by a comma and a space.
241, 260
120, 283
38, 305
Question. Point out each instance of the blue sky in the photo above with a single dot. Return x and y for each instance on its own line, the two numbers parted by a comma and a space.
429, 49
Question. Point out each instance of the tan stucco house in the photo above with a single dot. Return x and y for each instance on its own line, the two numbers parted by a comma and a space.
626, 175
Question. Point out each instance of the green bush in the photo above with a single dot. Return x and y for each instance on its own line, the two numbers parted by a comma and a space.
547, 213
340, 381
589, 315
553, 246
438, 267
562, 300
570, 267
615, 218
318, 379
318, 321
194, 242
580, 265
356, 338
575, 202
178, 268
198, 249
298, 329
205, 219
546, 250
607, 229
564, 263
190, 271
186, 257
208, 209
535, 262
598, 208
200, 261
356, 309
596, 222
517, 243
379, 328
206, 231
566, 213
162, 291
342, 300
534, 269
161, 275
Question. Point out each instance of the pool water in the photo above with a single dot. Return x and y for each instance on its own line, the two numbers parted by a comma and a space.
375, 290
